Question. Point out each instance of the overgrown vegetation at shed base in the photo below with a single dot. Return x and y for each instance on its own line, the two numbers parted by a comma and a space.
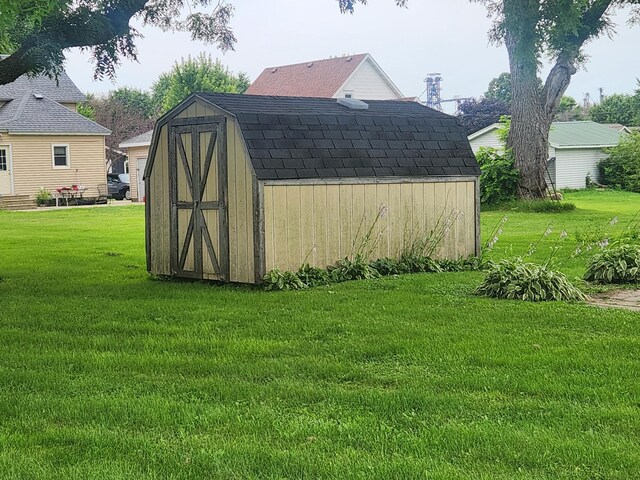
108, 374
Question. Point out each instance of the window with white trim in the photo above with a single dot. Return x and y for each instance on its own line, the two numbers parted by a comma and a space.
60, 156
4, 163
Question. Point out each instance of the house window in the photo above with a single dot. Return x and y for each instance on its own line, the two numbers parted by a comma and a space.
60, 156
348, 95
126, 166
3, 160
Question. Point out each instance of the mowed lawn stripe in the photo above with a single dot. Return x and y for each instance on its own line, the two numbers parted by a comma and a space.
107, 373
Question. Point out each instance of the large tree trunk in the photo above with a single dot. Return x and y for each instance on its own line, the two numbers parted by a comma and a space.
532, 111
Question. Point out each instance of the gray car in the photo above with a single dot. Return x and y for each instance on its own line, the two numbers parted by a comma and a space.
118, 186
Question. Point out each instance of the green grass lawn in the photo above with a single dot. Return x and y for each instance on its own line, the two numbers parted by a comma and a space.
106, 373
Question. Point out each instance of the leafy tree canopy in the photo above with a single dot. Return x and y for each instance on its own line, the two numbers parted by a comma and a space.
618, 108
36, 33
199, 74
500, 89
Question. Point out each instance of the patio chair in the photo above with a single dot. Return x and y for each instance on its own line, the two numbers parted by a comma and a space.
103, 194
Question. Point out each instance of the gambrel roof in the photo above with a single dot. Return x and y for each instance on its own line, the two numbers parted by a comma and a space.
294, 137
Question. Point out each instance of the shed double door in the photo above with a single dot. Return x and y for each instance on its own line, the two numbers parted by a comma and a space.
198, 196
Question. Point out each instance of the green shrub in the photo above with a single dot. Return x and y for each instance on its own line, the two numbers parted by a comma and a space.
517, 280
418, 264
622, 168
313, 276
44, 197
620, 264
357, 268
279, 280
499, 176
388, 266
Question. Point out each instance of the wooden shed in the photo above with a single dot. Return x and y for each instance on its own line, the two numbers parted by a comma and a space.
240, 184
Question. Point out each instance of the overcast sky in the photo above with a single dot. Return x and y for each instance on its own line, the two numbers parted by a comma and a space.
449, 37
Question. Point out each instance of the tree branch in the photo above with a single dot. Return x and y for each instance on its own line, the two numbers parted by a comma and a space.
565, 67
82, 28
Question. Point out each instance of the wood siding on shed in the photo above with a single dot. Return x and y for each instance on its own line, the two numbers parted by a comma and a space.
239, 202
33, 163
323, 223
135, 153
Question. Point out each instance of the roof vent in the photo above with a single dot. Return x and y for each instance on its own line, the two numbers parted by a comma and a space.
309, 65
353, 103
274, 70
38, 96
349, 59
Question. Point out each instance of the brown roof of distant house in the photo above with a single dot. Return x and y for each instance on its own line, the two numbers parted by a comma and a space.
319, 78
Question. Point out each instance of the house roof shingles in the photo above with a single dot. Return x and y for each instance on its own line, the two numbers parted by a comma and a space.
29, 114
139, 140
63, 90
319, 78
297, 138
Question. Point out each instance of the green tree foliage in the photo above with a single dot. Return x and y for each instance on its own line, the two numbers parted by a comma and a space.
135, 99
569, 110
532, 32
618, 108
200, 74
500, 89
622, 168
36, 33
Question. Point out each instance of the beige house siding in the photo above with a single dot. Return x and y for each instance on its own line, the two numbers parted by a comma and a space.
323, 223
71, 106
135, 154
33, 162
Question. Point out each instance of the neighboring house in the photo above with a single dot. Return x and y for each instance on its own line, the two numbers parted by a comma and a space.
44, 142
354, 76
137, 149
575, 149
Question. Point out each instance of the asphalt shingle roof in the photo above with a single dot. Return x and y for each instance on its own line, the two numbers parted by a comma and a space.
295, 138
29, 114
64, 91
139, 139
318, 78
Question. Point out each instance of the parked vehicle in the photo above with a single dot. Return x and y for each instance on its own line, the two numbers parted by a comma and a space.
118, 186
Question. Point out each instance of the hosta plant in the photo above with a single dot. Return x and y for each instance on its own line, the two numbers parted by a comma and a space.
412, 263
313, 276
518, 280
356, 268
388, 266
278, 280
619, 264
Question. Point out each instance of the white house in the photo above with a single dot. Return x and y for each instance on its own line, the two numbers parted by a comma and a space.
575, 149
351, 76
